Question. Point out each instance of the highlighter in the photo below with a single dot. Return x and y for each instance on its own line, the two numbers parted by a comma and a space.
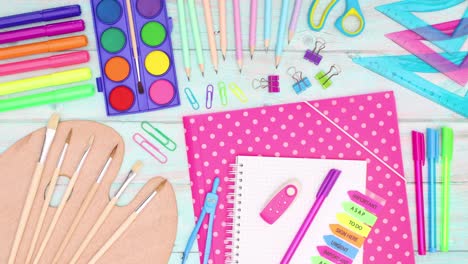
56, 61
40, 16
50, 30
53, 79
43, 47
51, 97
446, 154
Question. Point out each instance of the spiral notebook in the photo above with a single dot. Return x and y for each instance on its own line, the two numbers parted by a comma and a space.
259, 178
360, 127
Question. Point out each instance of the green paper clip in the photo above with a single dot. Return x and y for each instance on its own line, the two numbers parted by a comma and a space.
159, 136
237, 91
324, 78
223, 93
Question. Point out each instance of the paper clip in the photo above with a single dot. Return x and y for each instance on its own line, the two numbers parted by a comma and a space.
324, 78
192, 99
159, 136
302, 83
237, 91
209, 96
150, 148
313, 55
223, 93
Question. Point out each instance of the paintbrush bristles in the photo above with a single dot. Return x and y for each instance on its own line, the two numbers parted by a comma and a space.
91, 141
161, 185
67, 141
137, 166
53, 121
114, 150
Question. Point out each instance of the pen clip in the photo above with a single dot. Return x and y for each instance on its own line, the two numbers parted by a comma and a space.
150, 148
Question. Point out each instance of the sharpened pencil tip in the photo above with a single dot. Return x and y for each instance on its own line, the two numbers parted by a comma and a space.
224, 58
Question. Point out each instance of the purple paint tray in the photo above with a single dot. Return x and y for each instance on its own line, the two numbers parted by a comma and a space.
119, 77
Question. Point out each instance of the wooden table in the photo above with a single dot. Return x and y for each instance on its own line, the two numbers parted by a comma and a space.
415, 112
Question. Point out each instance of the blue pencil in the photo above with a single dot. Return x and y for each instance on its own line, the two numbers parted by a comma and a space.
281, 31
267, 25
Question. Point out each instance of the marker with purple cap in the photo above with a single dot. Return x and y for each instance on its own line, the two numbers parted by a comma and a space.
136, 75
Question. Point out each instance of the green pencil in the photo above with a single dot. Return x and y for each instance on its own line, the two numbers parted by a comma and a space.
196, 35
184, 37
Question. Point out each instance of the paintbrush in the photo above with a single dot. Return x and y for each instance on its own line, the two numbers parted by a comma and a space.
36, 178
134, 44
48, 197
84, 206
126, 224
107, 210
63, 202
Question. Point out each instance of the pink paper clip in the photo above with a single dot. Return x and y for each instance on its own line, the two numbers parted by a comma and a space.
150, 148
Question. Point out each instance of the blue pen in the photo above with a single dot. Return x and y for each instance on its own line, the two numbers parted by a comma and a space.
281, 31
433, 149
211, 201
267, 25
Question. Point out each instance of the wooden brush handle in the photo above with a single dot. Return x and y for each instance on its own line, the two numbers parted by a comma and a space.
26, 211
45, 206
94, 229
76, 221
56, 217
114, 238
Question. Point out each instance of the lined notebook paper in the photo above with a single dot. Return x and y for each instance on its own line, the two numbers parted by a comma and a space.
259, 178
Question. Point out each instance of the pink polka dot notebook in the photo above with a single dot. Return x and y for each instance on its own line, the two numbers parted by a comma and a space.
361, 127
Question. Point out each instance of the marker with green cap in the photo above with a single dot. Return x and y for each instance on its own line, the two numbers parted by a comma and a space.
446, 159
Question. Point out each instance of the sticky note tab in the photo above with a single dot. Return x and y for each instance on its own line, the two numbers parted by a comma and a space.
347, 235
353, 224
341, 246
365, 201
332, 255
320, 260
359, 213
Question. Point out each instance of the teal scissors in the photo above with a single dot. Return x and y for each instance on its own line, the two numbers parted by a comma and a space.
352, 10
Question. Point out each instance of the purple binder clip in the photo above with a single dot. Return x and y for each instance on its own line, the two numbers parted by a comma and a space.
313, 55
273, 84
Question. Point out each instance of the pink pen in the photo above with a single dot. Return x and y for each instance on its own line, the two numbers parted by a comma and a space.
56, 61
253, 26
322, 193
42, 31
238, 33
419, 159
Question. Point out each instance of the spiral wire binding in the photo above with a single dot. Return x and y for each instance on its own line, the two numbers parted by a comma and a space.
233, 225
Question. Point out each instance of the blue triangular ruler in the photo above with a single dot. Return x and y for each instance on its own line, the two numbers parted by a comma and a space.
401, 12
401, 69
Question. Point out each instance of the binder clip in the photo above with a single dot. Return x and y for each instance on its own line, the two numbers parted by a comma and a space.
272, 83
324, 78
301, 84
313, 55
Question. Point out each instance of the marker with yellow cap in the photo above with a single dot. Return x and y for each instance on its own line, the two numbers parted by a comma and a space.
446, 159
54, 79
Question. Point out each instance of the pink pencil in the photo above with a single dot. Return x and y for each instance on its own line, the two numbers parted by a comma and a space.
56, 61
238, 31
253, 27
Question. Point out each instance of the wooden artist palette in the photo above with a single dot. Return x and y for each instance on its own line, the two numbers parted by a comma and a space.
149, 239
119, 77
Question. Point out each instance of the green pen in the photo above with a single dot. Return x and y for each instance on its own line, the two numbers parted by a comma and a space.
446, 159
196, 35
184, 36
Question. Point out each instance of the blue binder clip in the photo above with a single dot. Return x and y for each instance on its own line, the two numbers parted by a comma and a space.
301, 83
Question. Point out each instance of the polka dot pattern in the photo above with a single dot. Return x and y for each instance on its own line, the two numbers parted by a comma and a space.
296, 130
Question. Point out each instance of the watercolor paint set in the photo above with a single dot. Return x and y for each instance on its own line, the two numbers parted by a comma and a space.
134, 83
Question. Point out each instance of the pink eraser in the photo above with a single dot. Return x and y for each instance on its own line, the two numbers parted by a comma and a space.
279, 204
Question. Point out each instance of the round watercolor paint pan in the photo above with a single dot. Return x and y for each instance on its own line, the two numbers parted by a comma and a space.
153, 34
121, 98
149, 8
162, 92
157, 63
117, 69
113, 40
109, 11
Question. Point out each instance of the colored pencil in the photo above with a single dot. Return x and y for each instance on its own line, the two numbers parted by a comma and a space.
253, 27
294, 19
222, 25
196, 35
184, 37
281, 31
238, 32
211, 36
